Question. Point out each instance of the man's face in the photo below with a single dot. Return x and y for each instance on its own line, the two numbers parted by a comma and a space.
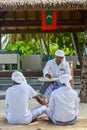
58, 59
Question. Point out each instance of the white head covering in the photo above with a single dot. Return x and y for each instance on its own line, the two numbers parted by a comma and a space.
18, 77
59, 53
64, 79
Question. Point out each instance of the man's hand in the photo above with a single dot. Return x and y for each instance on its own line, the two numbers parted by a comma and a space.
44, 101
48, 76
41, 99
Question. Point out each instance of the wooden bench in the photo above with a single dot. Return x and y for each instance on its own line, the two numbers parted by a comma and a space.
10, 58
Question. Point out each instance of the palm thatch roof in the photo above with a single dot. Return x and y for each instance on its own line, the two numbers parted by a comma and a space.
7, 5
24, 16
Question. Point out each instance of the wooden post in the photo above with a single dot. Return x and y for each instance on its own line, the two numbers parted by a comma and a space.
71, 68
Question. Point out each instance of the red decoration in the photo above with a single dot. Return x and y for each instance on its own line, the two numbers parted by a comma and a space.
49, 20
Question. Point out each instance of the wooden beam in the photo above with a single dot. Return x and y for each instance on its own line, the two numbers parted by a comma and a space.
12, 23
77, 72
39, 30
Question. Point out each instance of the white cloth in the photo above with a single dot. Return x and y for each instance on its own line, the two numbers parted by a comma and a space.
17, 107
18, 77
17, 111
56, 70
64, 79
63, 105
48, 91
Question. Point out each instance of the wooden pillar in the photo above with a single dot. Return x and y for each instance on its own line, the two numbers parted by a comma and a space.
83, 91
71, 69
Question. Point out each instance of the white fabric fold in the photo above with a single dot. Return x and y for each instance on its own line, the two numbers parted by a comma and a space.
64, 79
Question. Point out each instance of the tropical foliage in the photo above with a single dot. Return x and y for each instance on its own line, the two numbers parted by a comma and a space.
43, 43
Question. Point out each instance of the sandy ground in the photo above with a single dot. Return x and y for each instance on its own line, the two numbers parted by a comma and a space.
42, 123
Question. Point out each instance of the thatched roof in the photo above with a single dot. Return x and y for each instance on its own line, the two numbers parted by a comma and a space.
6, 5
24, 16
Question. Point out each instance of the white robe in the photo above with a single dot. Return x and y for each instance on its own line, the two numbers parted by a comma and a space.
63, 105
17, 110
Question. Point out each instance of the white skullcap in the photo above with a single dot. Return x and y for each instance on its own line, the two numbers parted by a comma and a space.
18, 77
59, 53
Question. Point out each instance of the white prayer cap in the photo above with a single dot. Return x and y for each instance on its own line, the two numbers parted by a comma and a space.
18, 77
59, 53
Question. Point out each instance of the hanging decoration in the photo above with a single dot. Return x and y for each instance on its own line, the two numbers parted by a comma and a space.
49, 20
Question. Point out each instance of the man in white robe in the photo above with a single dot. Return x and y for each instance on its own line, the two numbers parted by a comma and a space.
63, 107
55, 68
17, 96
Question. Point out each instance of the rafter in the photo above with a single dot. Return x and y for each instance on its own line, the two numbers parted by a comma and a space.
13, 23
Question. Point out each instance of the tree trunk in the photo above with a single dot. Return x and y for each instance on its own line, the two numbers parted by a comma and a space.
0, 40
46, 43
83, 91
77, 47
0, 48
